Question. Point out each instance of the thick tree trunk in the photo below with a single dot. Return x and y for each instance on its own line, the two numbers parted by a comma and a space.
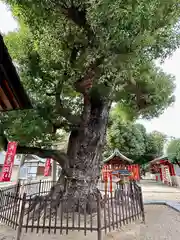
85, 152
85, 155
86, 144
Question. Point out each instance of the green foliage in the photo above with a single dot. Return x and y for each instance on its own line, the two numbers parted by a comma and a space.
173, 150
155, 144
59, 40
127, 138
133, 141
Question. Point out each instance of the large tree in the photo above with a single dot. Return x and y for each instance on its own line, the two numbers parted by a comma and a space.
75, 57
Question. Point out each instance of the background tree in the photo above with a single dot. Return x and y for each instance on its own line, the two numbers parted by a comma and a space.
128, 138
155, 145
75, 58
133, 141
173, 151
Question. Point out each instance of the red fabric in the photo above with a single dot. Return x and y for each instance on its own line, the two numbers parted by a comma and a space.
47, 167
8, 163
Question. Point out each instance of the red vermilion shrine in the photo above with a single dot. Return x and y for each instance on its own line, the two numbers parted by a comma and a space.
121, 167
163, 169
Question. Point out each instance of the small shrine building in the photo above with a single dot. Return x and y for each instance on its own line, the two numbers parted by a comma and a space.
163, 170
121, 166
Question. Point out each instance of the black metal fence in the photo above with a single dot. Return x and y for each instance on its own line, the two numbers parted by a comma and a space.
41, 187
109, 212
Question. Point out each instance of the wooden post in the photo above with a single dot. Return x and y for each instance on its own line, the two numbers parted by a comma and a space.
110, 178
21, 216
142, 205
105, 180
39, 187
99, 217
106, 186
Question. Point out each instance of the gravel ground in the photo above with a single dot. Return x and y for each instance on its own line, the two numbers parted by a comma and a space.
162, 223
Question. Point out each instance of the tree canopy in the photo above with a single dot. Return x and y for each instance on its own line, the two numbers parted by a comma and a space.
70, 53
173, 151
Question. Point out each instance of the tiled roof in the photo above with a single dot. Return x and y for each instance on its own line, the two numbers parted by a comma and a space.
117, 153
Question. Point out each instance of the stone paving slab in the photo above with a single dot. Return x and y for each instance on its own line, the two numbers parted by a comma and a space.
172, 204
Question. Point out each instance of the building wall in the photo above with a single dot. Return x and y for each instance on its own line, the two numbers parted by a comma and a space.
14, 173
40, 171
28, 170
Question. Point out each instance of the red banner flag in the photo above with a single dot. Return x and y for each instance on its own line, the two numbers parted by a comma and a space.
47, 167
8, 163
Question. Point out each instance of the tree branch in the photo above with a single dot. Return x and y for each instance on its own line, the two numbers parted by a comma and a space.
43, 153
64, 111
78, 16
56, 155
85, 83
61, 124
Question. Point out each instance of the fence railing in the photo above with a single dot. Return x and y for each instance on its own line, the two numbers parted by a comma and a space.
41, 187
10, 204
109, 212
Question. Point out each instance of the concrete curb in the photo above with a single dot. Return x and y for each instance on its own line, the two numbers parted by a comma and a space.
174, 205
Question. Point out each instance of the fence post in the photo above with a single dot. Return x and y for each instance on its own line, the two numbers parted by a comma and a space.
18, 188
142, 205
99, 217
21, 217
39, 187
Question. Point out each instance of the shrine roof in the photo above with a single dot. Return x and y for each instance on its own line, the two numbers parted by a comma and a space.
157, 160
117, 153
12, 94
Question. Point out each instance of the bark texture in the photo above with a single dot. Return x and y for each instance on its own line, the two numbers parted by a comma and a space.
85, 152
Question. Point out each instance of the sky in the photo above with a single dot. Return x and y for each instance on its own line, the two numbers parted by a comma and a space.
169, 121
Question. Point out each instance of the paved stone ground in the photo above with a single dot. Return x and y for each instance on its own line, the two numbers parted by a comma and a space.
157, 191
